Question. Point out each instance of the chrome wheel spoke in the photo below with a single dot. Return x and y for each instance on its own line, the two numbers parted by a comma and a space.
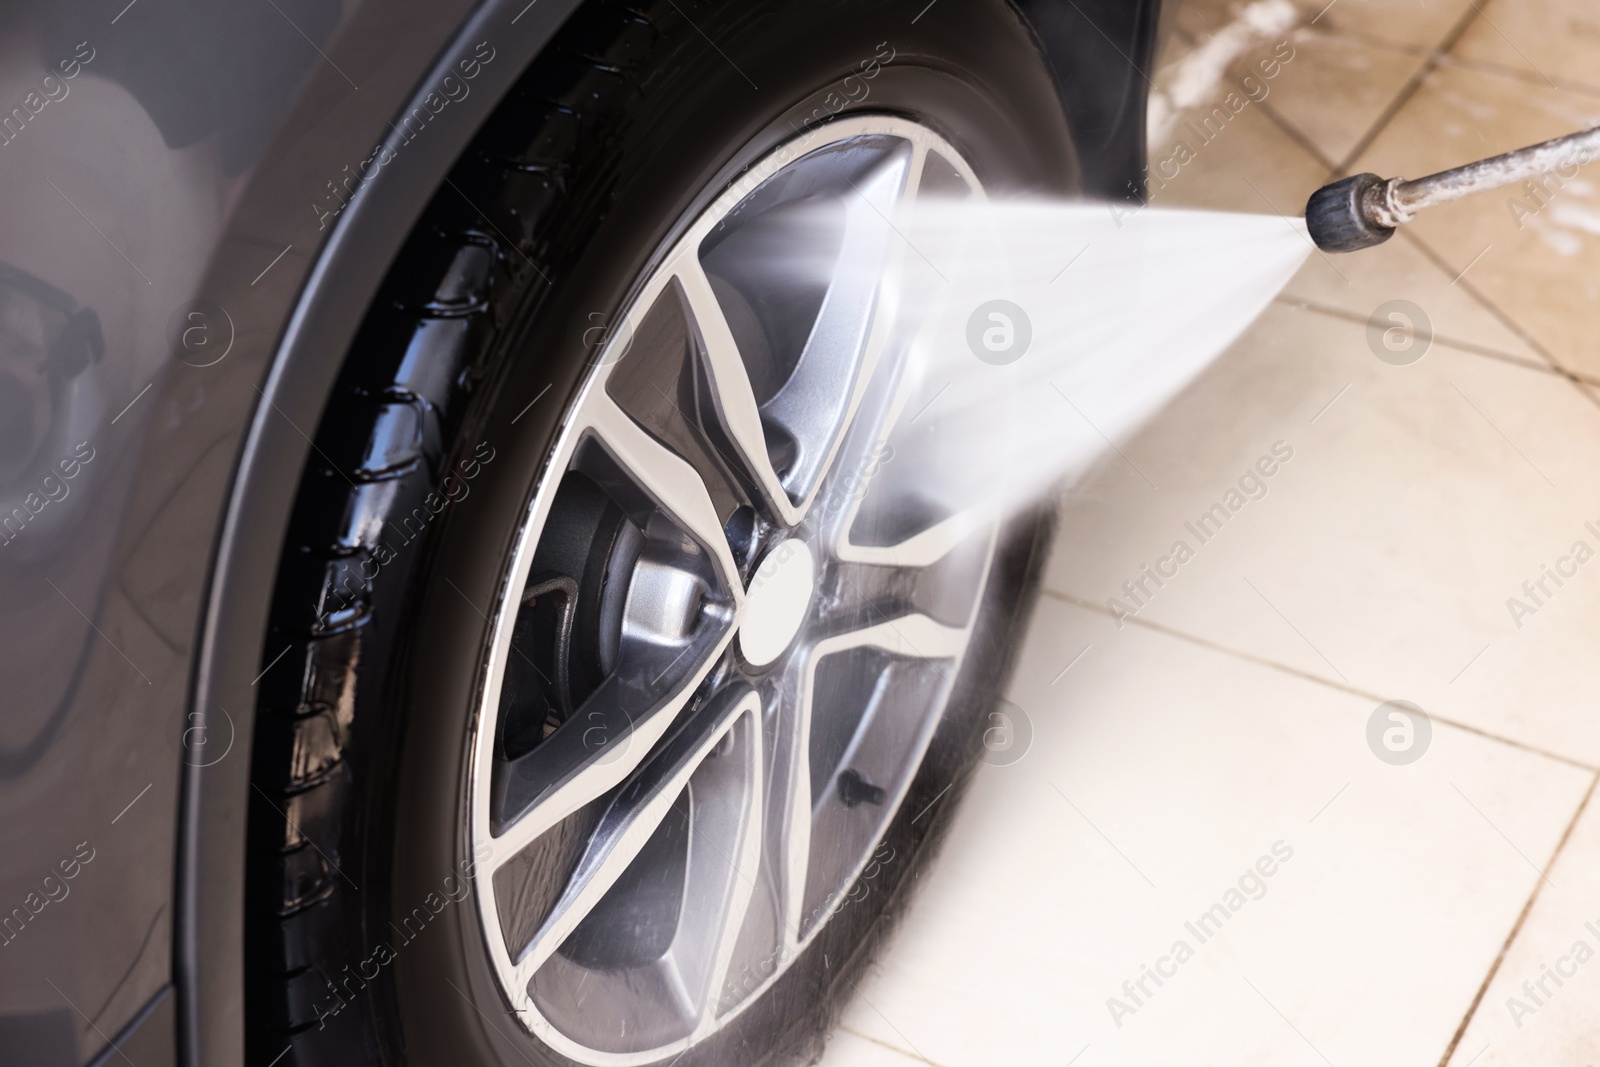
791, 820
845, 340
614, 731
644, 929
735, 399
674, 371
922, 549
670, 480
913, 637
724, 826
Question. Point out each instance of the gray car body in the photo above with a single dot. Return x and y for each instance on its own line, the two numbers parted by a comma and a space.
199, 200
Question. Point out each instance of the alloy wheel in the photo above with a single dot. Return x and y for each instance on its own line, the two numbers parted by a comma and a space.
727, 632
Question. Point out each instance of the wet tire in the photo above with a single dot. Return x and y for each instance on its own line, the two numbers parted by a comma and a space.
446, 406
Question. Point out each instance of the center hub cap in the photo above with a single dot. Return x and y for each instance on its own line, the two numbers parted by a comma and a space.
776, 603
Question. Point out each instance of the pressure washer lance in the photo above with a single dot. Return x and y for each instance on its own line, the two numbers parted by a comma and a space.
1364, 209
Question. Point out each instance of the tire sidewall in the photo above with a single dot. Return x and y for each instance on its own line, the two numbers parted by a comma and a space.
976, 79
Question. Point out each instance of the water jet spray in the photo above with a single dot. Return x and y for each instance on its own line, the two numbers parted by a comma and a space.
1364, 210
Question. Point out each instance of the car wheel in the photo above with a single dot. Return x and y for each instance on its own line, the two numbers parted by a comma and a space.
632, 683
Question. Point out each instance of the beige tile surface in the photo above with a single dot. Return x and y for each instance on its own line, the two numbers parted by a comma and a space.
1547, 39
1209, 107
1337, 88
1542, 269
1232, 712
1159, 773
1249, 165
1385, 551
1553, 1021
847, 1049
1399, 269
1415, 24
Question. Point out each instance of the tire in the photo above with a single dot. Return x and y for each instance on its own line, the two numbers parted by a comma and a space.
443, 417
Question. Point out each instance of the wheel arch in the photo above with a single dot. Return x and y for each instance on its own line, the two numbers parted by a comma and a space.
1111, 40
330, 301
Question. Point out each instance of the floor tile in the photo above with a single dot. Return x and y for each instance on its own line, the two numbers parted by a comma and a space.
1250, 165
1232, 711
1198, 71
1338, 87
1540, 267
1548, 39
1160, 773
1415, 24
1553, 1019
1384, 553
846, 1049
1358, 285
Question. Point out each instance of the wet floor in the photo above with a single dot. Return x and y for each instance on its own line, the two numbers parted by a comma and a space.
1321, 793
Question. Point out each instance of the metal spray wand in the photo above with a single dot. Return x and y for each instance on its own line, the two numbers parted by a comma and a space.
1363, 210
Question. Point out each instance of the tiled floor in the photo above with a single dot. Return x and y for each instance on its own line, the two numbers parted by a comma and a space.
1444, 912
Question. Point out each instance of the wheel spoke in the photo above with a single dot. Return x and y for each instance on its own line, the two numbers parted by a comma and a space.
608, 736
727, 877
715, 759
849, 332
913, 636
666, 383
791, 849
735, 399
923, 549
670, 480
928, 546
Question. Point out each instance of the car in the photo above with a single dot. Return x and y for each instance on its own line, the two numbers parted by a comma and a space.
458, 605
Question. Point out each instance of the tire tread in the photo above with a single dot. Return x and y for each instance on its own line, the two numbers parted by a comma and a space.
382, 443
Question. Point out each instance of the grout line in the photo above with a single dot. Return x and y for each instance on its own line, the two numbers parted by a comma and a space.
1483, 300
1295, 628
856, 991
1525, 57
1588, 395
1289, 129
1409, 90
1468, 347
1296, 672
1516, 928
1326, 32
1488, 66
1292, 132
913, 1057
1560, 369
1369, 40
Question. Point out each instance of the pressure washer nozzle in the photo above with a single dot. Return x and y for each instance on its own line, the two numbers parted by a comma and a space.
1341, 217
1364, 209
